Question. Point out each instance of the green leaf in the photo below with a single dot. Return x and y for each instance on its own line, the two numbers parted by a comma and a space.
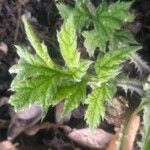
107, 66
107, 20
96, 107
68, 47
40, 48
35, 82
82, 12
82, 70
94, 40
77, 95
64, 10
73, 93
111, 16
122, 39
38, 77
39, 89
40, 80
67, 39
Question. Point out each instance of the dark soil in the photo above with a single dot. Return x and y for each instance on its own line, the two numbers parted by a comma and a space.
46, 20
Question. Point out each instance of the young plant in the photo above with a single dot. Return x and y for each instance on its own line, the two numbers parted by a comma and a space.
39, 79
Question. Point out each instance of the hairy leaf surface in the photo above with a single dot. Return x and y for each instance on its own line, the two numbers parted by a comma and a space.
73, 93
131, 85
38, 77
107, 20
107, 66
82, 12
96, 108
39, 47
76, 96
67, 39
35, 82
121, 38
64, 10
68, 47
140, 64
40, 80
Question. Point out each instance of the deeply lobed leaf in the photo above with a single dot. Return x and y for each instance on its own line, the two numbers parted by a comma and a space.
64, 10
107, 20
34, 81
67, 39
39, 78
40, 48
122, 38
82, 12
74, 93
76, 96
96, 108
68, 47
107, 67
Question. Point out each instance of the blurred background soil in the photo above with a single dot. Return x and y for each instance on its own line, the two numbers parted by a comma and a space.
44, 17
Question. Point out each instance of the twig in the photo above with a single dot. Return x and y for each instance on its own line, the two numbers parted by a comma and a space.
18, 22
46, 125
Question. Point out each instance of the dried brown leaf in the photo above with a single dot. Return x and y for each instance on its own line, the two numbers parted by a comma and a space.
7, 145
95, 139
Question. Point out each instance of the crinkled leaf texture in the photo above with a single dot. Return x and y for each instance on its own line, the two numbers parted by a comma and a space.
35, 81
82, 12
107, 66
107, 20
74, 94
121, 38
40, 80
96, 105
67, 39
